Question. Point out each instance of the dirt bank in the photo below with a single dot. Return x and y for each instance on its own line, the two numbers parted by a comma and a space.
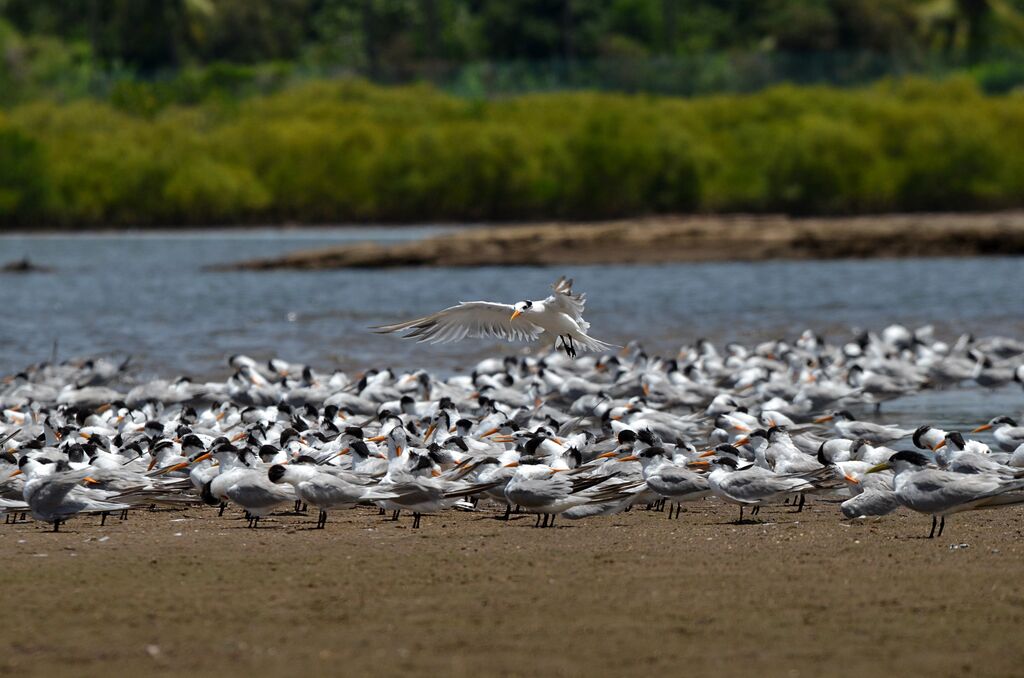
679, 239
188, 593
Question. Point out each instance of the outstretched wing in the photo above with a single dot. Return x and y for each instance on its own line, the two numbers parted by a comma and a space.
563, 299
468, 319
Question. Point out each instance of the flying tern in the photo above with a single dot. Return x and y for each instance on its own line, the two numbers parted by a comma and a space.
558, 318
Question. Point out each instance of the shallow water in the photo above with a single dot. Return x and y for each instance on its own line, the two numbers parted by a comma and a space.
146, 295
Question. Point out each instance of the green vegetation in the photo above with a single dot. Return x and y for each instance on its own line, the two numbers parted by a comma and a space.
138, 112
346, 150
70, 48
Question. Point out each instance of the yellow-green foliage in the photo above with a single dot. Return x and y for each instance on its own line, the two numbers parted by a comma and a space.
350, 151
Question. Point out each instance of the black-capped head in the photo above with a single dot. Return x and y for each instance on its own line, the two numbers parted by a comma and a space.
822, 459
76, 454
648, 437
422, 462
727, 449
531, 445
725, 462
268, 452
360, 449
912, 457
161, 444
306, 459
1009, 421
921, 431
956, 440
573, 457
627, 436
457, 441
276, 473
652, 452
354, 431
288, 435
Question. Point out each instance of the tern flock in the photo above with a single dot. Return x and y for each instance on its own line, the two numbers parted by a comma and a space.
549, 434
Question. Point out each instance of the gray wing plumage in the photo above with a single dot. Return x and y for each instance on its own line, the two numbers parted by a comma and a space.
467, 319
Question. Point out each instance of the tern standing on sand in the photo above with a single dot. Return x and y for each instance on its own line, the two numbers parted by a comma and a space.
559, 317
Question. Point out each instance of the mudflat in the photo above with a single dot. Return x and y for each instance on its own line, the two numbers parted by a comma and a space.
187, 592
681, 239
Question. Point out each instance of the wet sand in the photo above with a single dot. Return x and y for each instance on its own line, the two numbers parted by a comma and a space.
188, 593
680, 239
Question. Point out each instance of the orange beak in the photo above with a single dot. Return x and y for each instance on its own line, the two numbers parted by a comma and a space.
647, 390
490, 433
202, 457
631, 457
606, 455
238, 436
701, 464
376, 439
152, 463
512, 464
398, 451
435, 473
430, 432
172, 469
850, 479
16, 473
939, 445
90, 481
707, 453
515, 314
822, 420
983, 427
742, 441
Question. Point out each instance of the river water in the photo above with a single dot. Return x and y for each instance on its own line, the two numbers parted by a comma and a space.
146, 295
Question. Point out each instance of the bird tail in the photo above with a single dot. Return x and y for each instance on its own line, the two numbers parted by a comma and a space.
595, 345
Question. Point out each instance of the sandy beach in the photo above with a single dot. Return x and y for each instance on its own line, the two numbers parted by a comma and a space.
186, 592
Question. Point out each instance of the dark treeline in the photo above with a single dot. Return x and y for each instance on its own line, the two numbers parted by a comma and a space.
150, 36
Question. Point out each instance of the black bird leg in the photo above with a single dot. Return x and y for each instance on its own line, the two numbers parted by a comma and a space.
223, 505
932, 533
942, 525
395, 514
103, 519
508, 512
415, 521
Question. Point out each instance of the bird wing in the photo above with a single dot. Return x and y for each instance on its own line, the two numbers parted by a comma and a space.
564, 300
467, 319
